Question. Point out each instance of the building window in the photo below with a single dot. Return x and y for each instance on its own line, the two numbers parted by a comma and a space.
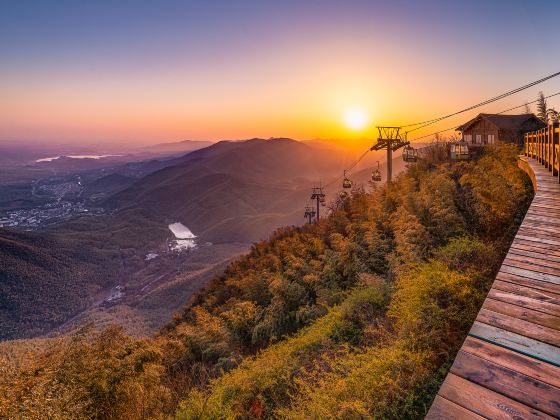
479, 139
467, 137
491, 138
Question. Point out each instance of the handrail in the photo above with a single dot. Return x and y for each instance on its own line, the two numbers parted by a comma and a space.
544, 146
509, 364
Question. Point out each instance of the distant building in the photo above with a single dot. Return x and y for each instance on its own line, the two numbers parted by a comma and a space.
493, 128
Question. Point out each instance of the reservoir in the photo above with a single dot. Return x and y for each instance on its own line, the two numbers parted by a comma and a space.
184, 238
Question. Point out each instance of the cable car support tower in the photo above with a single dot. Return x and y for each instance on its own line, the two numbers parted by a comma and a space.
318, 194
392, 139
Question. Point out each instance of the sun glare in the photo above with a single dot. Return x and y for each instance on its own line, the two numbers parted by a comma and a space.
355, 118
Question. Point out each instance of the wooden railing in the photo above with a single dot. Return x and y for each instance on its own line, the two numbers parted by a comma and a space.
544, 145
509, 364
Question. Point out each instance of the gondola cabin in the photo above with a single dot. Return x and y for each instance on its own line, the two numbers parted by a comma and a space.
346, 183
410, 154
459, 151
376, 174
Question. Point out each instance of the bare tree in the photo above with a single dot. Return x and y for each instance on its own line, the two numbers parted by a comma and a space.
527, 108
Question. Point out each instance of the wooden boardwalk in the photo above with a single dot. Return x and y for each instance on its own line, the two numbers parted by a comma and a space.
509, 365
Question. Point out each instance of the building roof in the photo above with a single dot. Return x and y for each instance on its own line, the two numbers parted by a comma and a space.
503, 122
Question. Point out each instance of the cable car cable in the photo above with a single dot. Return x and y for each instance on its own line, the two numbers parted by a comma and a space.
486, 102
501, 112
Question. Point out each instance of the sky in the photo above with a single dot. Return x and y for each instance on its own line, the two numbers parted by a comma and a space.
140, 72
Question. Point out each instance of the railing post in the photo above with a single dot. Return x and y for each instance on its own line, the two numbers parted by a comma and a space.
545, 130
547, 147
540, 146
545, 151
534, 137
541, 149
555, 131
549, 134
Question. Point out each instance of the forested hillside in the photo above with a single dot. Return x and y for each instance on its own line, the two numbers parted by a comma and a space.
357, 316
44, 280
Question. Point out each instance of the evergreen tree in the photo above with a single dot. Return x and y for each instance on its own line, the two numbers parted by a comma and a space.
542, 107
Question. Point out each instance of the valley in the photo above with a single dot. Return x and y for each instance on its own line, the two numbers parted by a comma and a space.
162, 226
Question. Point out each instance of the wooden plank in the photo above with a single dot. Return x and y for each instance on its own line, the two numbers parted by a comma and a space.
546, 203
536, 246
540, 261
538, 222
515, 385
524, 301
547, 193
530, 292
547, 208
541, 214
528, 346
522, 313
539, 235
547, 197
534, 256
524, 281
540, 206
485, 402
530, 238
541, 268
444, 409
541, 218
520, 326
540, 231
514, 360
542, 226
532, 274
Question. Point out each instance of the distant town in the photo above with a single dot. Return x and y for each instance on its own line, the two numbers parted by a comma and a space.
63, 202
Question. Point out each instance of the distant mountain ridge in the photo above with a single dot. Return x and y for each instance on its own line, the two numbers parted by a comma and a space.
235, 191
183, 146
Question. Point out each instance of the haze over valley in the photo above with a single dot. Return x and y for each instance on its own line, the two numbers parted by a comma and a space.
125, 209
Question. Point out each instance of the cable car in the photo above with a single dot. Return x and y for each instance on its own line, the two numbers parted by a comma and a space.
309, 213
323, 201
459, 151
409, 154
376, 174
346, 183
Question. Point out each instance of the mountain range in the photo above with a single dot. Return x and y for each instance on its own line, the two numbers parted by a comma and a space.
228, 194
235, 191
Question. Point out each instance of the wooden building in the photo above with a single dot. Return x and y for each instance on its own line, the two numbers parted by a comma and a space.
493, 128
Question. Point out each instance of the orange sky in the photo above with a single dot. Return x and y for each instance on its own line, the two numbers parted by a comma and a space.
89, 73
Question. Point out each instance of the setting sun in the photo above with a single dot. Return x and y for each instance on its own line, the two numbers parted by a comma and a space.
355, 118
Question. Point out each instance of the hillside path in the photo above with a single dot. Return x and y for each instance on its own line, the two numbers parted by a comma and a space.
509, 364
